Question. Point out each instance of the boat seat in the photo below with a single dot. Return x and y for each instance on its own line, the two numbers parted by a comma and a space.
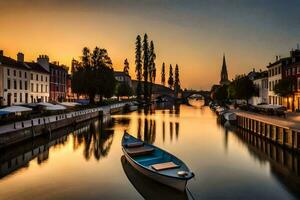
164, 166
134, 144
139, 151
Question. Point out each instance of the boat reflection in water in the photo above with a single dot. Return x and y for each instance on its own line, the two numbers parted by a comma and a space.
148, 188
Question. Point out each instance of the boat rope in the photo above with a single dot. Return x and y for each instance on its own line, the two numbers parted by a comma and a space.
191, 194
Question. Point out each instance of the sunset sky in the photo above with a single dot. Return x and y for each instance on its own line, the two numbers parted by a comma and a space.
192, 33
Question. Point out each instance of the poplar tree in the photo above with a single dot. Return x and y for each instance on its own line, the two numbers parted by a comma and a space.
163, 75
138, 66
152, 67
171, 80
177, 81
146, 65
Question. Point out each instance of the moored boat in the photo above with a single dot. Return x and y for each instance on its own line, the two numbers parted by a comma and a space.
156, 163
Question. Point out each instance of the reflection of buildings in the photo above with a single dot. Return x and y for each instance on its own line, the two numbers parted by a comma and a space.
285, 165
14, 158
96, 142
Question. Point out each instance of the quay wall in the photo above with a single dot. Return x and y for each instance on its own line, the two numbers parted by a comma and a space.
24, 130
279, 133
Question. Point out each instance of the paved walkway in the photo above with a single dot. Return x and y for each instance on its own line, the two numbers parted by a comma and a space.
291, 121
45, 120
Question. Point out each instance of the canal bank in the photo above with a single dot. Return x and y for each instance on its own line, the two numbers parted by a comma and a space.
24, 130
279, 130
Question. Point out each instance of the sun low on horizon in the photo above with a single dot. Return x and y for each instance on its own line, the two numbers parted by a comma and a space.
192, 34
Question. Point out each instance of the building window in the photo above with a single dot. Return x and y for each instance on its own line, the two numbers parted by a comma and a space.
15, 97
37, 77
279, 70
8, 72
42, 78
37, 87
25, 74
20, 85
46, 78
31, 76
25, 84
15, 73
42, 88
20, 74
275, 70
298, 84
8, 83
21, 98
46, 87
15, 84
31, 87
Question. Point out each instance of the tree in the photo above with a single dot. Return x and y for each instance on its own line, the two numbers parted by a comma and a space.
221, 93
284, 88
241, 88
176, 81
95, 76
171, 80
138, 66
146, 65
152, 67
124, 90
163, 74
126, 66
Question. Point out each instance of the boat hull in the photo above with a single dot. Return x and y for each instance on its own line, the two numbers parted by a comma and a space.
179, 184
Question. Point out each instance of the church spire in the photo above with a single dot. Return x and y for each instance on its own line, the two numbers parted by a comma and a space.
224, 73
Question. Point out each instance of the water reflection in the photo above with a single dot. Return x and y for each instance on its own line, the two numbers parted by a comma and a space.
284, 164
148, 188
96, 140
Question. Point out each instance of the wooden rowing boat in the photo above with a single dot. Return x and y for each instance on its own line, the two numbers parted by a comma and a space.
156, 163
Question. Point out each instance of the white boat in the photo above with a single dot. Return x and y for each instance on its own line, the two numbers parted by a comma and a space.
156, 163
229, 116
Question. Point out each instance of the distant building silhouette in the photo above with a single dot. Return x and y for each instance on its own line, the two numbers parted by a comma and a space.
224, 74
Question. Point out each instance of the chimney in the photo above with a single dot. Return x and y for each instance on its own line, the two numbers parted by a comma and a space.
20, 57
1, 53
43, 60
276, 58
298, 46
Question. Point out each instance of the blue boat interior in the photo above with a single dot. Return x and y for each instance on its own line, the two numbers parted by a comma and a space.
157, 156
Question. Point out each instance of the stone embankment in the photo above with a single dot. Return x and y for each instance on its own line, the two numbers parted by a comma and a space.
23, 130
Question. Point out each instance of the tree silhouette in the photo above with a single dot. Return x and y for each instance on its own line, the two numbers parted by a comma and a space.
163, 74
138, 66
177, 81
171, 80
146, 65
126, 66
95, 76
152, 67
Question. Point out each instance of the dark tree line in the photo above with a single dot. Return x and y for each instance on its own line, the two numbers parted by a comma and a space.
145, 67
94, 75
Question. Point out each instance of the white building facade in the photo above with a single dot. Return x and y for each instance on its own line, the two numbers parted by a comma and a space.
15, 81
262, 85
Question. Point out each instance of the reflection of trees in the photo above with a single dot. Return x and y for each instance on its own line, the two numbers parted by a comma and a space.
171, 131
177, 130
149, 130
97, 141
164, 131
139, 134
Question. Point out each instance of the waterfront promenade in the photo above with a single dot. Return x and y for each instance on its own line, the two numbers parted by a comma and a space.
23, 130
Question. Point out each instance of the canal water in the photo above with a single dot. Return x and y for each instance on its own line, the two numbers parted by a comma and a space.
85, 161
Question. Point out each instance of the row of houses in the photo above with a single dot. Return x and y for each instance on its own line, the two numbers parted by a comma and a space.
29, 82
287, 67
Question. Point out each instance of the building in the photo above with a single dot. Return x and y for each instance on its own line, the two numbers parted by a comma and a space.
276, 71
58, 78
292, 71
224, 74
14, 78
260, 80
123, 77
39, 83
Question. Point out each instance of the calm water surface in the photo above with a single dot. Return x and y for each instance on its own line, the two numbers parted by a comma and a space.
85, 162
